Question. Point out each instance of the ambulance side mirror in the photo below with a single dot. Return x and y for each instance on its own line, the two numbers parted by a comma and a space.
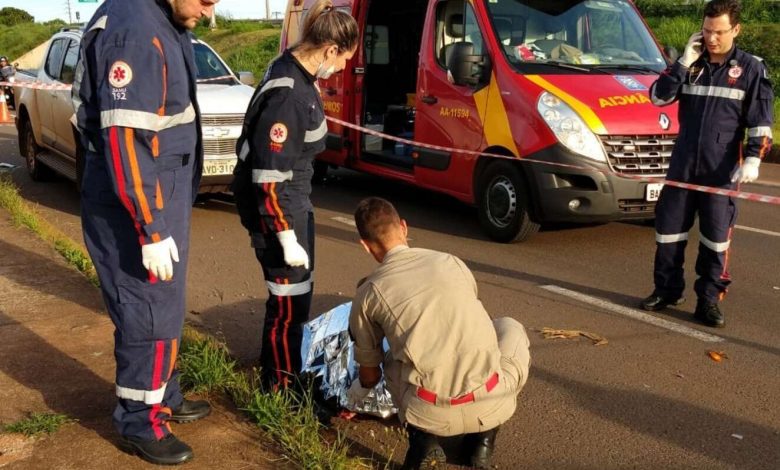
671, 54
467, 68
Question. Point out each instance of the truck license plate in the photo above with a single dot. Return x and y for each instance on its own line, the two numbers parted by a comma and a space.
652, 191
218, 167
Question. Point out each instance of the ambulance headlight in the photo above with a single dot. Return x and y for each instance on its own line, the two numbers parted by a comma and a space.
569, 127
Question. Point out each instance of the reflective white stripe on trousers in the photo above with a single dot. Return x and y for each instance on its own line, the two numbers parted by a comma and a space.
671, 237
150, 397
289, 289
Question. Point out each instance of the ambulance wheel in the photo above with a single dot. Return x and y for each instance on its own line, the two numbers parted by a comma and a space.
37, 170
503, 204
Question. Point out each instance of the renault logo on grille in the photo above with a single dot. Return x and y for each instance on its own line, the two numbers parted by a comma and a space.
664, 121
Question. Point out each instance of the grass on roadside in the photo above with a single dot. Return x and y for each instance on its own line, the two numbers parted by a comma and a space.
206, 366
38, 423
24, 215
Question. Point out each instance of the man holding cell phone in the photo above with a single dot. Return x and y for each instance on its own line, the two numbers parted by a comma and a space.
724, 95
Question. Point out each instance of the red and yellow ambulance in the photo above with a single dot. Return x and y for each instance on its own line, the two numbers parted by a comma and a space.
558, 81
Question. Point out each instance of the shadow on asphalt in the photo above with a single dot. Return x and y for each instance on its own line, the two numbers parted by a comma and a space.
240, 325
66, 386
52, 270
702, 431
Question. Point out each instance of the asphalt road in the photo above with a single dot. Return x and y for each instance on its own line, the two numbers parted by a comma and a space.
651, 398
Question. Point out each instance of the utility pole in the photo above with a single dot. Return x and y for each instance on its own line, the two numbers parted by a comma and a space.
267, 10
67, 7
213, 19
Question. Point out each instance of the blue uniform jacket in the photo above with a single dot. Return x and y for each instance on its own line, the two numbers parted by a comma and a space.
284, 128
134, 96
718, 106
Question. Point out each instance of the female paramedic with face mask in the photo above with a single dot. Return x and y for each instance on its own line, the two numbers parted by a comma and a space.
284, 128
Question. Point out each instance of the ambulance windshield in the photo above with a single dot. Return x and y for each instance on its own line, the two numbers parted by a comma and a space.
593, 34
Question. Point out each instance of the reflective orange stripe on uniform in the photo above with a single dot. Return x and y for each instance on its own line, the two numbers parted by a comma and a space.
138, 180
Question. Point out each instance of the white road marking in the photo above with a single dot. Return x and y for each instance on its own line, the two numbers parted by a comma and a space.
344, 220
635, 314
758, 230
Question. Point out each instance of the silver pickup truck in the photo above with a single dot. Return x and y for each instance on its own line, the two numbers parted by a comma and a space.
44, 114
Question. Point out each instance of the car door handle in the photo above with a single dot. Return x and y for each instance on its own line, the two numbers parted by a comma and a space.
429, 99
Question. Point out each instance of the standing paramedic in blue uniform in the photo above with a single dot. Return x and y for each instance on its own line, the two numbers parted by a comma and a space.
134, 97
725, 96
284, 129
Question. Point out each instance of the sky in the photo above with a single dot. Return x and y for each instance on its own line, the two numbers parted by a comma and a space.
45, 10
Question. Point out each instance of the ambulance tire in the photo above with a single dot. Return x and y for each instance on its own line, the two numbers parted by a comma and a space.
504, 204
37, 170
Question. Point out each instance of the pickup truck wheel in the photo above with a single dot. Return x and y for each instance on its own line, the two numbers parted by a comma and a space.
36, 170
503, 204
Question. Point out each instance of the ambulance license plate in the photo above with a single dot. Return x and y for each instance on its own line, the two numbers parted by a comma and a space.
218, 167
652, 191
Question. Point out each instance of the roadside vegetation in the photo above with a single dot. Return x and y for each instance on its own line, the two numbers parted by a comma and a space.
673, 22
38, 423
245, 45
206, 368
25, 215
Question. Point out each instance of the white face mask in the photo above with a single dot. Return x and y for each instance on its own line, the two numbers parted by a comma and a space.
325, 73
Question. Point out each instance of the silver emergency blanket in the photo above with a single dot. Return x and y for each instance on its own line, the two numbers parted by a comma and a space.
328, 352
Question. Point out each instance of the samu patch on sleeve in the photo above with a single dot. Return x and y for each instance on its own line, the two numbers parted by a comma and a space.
120, 74
278, 135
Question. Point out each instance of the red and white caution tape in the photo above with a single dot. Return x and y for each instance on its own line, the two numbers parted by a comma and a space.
774, 200
693, 187
37, 85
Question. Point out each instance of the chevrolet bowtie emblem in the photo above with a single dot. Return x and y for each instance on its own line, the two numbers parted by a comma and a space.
215, 132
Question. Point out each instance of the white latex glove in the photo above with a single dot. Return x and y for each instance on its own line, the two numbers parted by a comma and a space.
294, 254
748, 172
693, 49
357, 392
158, 258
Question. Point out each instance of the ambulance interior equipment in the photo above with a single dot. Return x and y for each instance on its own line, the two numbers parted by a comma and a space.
391, 43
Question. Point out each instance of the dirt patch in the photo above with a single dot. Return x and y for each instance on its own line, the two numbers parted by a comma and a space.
14, 447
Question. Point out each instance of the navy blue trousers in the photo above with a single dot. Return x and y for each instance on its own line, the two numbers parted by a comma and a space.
288, 304
148, 314
675, 213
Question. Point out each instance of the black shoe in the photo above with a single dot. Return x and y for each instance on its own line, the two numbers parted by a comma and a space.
167, 451
482, 445
424, 451
190, 410
657, 302
709, 314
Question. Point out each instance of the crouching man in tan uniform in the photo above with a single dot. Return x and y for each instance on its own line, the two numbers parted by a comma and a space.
450, 369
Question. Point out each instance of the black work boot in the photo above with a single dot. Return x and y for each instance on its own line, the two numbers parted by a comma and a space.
708, 313
167, 451
656, 302
424, 451
482, 445
190, 410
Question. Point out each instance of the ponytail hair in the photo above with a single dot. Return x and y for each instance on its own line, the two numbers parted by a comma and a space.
325, 25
